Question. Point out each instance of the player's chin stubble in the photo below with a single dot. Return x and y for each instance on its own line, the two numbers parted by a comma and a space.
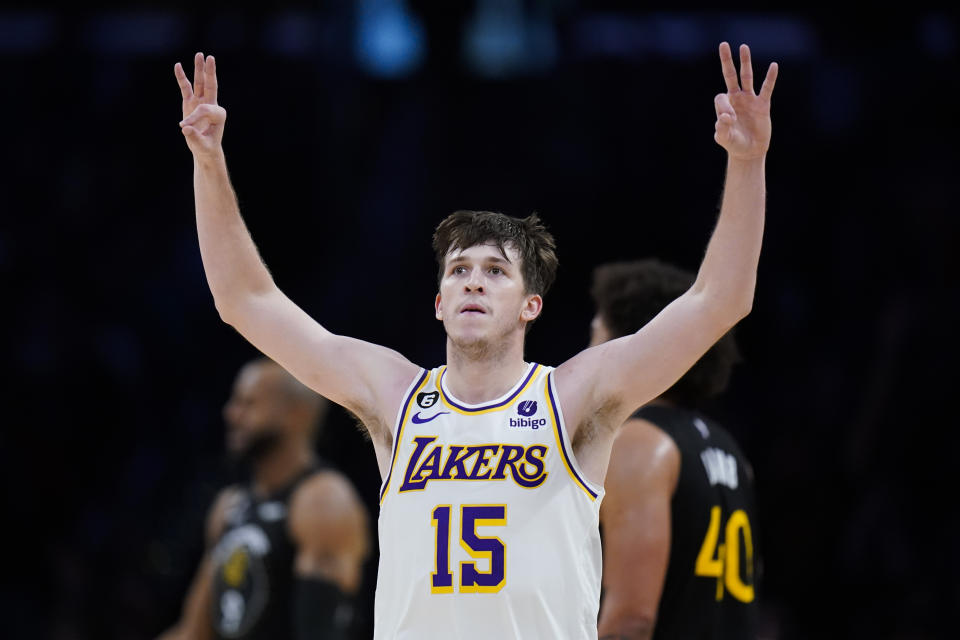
482, 347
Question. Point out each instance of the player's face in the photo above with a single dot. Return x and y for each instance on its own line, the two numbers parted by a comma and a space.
482, 297
599, 333
253, 413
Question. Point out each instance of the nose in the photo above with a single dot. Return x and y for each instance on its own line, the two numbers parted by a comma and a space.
474, 281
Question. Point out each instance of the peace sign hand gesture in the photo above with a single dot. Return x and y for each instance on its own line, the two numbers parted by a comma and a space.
743, 117
203, 118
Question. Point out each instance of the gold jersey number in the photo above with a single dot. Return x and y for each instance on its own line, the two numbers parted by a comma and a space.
720, 559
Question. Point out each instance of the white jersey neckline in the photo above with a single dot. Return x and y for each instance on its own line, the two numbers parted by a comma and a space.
514, 390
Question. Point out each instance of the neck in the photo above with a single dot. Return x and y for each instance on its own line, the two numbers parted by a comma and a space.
476, 376
281, 466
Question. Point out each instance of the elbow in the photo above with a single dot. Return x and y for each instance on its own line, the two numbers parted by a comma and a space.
727, 303
234, 307
732, 313
743, 309
726, 310
226, 311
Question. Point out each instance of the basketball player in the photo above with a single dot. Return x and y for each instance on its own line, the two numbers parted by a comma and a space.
679, 492
492, 467
285, 553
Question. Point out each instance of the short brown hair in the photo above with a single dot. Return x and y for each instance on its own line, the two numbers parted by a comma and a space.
629, 294
530, 239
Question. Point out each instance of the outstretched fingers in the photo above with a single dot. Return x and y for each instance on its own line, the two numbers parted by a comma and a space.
746, 69
729, 70
198, 75
185, 89
766, 91
210, 80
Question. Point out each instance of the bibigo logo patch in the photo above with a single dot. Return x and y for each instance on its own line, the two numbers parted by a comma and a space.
527, 408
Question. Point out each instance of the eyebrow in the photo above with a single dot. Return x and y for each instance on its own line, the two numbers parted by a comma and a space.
462, 258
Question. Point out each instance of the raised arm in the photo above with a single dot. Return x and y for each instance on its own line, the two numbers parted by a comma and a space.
367, 379
620, 375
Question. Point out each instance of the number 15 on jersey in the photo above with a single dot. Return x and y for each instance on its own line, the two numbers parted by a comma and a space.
487, 576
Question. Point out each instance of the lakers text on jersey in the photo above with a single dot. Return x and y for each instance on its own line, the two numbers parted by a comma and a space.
488, 528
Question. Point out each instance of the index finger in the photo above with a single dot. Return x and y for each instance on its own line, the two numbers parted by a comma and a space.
729, 71
185, 89
210, 80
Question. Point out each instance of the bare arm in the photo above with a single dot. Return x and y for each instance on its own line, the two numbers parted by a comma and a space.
367, 379
195, 622
626, 373
635, 515
328, 523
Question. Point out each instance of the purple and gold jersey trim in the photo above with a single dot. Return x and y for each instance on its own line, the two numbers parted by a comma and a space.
499, 406
405, 411
561, 440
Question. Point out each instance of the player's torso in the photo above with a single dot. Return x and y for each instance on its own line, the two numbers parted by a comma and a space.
487, 528
253, 569
710, 587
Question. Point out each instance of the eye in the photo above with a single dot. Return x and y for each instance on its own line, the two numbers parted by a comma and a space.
459, 269
496, 270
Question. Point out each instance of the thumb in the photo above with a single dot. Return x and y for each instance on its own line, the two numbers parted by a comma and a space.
721, 103
722, 127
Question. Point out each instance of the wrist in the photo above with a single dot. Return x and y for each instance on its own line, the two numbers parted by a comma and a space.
212, 159
747, 162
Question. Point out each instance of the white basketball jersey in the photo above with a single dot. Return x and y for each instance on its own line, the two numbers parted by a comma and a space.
488, 528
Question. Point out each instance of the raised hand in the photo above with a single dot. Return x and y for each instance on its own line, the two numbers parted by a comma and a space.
203, 118
743, 117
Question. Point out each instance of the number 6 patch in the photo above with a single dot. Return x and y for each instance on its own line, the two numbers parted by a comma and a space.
427, 399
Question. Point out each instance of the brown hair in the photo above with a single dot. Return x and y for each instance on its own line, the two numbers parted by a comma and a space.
529, 238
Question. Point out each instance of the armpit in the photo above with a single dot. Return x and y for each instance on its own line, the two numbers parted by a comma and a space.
372, 428
601, 422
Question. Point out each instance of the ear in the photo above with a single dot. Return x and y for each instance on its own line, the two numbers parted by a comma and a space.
437, 308
532, 308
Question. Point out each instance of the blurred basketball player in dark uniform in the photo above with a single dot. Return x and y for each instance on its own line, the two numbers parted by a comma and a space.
679, 548
284, 553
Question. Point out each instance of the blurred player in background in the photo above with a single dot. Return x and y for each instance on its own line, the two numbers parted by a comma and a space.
679, 545
285, 552
492, 466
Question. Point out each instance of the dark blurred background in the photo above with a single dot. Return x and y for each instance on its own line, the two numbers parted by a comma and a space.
353, 128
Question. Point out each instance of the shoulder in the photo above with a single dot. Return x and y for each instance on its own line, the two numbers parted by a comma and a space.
643, 456
640, 428
228, 498
323, 506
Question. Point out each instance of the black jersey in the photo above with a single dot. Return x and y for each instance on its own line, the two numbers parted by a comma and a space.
710, 586
253, 567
